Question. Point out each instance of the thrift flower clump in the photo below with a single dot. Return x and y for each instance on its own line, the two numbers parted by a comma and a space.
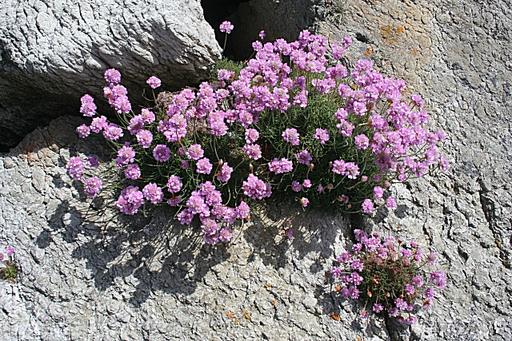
293, 121
388, 276
8, 268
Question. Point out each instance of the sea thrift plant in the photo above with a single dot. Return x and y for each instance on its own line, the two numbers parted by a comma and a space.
291, 122
388, 276
8, 268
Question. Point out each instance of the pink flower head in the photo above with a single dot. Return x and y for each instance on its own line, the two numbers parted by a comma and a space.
92, 186
226, 27
261, 35
130, 200
88, 108
98, 124
255, 188
391, 203
243, 210
147, 116
225, 173
125, 155
132, 172
154, 82
291, 136
304, 157
9, 251
321, 135
296, 186
161, 153
367, 206
112, 76
83, 131
253, 151
307, 184
112, 132
378, 192
348, 169
251, 135
438, 278
377, 308
195, 152
144, 138
280, 166
361, 141
204, 166
304, 202
75, 167
153, 193
174, 184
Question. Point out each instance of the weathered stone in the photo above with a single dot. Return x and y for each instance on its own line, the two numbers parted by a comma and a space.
52, 52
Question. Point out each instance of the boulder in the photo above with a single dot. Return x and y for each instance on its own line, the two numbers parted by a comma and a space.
51, 52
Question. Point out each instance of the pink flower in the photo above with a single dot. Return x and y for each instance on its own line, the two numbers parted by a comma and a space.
361, 141
304, 202
296, 186
203, 166
304, 157
130, 200
255, 188
225, 173
378, 192
253, 151
132, 172
161, 153
291, 136
243, 210
88, 107
391, 203
92, 186
153, 193
9, 251
75, 167
226, 27
144, 138
174, 184
321, 135
125, 155
83, 131
280, 166
306, 184
195, 152
367, 206
251, 135
154, 82
112, 76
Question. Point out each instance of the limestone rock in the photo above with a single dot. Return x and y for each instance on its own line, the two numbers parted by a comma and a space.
51, 52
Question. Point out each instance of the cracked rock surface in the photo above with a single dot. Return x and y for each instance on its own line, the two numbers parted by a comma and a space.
457, 55
52, 52
89, 275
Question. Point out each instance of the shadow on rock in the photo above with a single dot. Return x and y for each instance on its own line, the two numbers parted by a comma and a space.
149, 253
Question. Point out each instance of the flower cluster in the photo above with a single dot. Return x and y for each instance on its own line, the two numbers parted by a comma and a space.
388, 276
8, 269
293, 119
77, 167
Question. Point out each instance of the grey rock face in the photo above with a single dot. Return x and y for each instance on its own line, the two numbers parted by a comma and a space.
51, 52
87, 275
457, 55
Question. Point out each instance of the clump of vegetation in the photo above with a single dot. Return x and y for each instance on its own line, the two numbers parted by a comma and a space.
292, 122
